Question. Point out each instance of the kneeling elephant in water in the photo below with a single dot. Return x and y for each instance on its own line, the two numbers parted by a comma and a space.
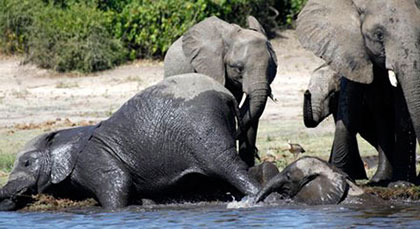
313, 181
169, 141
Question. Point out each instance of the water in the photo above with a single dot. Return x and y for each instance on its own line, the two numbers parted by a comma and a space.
218, 216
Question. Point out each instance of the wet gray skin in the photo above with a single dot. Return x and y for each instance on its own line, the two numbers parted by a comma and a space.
313, 181
171, 142
354, 112
366, 41
241, 59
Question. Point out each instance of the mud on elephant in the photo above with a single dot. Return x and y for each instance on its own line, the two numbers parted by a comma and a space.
169, 142
363, 40
376, 111
242, 60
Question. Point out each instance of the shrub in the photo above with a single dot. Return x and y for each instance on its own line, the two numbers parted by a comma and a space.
16, 17
149, 27
92, 35
288, 10
73, 38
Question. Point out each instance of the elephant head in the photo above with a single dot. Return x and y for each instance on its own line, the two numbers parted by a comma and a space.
354, 35
46, 160
321, 97
241, 59
312, 181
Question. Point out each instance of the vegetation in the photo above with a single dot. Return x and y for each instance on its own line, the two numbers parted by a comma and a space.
93, 35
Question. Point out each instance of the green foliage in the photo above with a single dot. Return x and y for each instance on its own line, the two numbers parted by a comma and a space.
92, 35
15, 19
149, 27
288, 10
73, 39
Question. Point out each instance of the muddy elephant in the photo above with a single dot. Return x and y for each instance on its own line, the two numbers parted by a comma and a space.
376, 111
172, 141
242, 60
363, 40
312, 181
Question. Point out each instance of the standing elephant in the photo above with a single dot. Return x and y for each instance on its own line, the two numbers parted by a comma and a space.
364, 109
170, 141
367, 40
242, 60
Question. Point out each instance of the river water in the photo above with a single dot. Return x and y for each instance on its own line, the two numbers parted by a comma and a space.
218, 216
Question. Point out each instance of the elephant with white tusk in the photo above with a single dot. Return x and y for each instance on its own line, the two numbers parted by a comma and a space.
241, 59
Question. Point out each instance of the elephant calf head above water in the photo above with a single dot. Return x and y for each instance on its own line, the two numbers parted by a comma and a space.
242, 60
169, 141
312, 181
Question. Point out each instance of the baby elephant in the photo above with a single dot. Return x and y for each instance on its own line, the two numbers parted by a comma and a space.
313, 181
166, 142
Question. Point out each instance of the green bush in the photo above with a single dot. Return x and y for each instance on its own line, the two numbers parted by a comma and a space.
74, 38
149, 27
92, 35
16, 17
288, 10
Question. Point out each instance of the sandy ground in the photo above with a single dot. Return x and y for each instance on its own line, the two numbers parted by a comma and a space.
29, 95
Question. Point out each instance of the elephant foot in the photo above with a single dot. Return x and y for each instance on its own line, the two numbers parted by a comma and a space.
382, 177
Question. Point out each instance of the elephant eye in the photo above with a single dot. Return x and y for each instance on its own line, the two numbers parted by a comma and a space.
27, 163
237, 67
379, 35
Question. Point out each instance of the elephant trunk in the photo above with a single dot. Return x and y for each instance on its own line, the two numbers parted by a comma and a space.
410, 83
275, 184
308, 115
257, 97
16, 185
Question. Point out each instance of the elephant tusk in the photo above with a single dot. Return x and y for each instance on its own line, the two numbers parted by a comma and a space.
243, 100
392, 78
273, 98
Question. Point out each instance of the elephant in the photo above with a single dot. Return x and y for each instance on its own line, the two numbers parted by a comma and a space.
367, 40
172, 141
312, 181
242, 60
367, 110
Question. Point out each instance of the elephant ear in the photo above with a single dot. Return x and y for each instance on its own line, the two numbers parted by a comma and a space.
332, 30
204, 47
65, 147
323, 190
253, 24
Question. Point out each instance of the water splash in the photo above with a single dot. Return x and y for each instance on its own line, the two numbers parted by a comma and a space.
246, 202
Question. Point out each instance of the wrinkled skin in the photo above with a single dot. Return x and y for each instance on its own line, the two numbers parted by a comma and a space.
312, 181
357, 37
242, 60
370, 110
172, 141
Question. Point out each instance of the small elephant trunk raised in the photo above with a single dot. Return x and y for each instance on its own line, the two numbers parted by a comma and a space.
308, 114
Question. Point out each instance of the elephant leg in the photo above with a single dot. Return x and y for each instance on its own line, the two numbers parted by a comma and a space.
345, 153
234, 171
114, 192
377, 132
106, 177
247, 148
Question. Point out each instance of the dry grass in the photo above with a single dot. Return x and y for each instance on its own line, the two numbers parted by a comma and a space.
49, 203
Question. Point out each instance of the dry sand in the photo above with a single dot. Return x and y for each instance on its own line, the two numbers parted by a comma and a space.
29, 95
